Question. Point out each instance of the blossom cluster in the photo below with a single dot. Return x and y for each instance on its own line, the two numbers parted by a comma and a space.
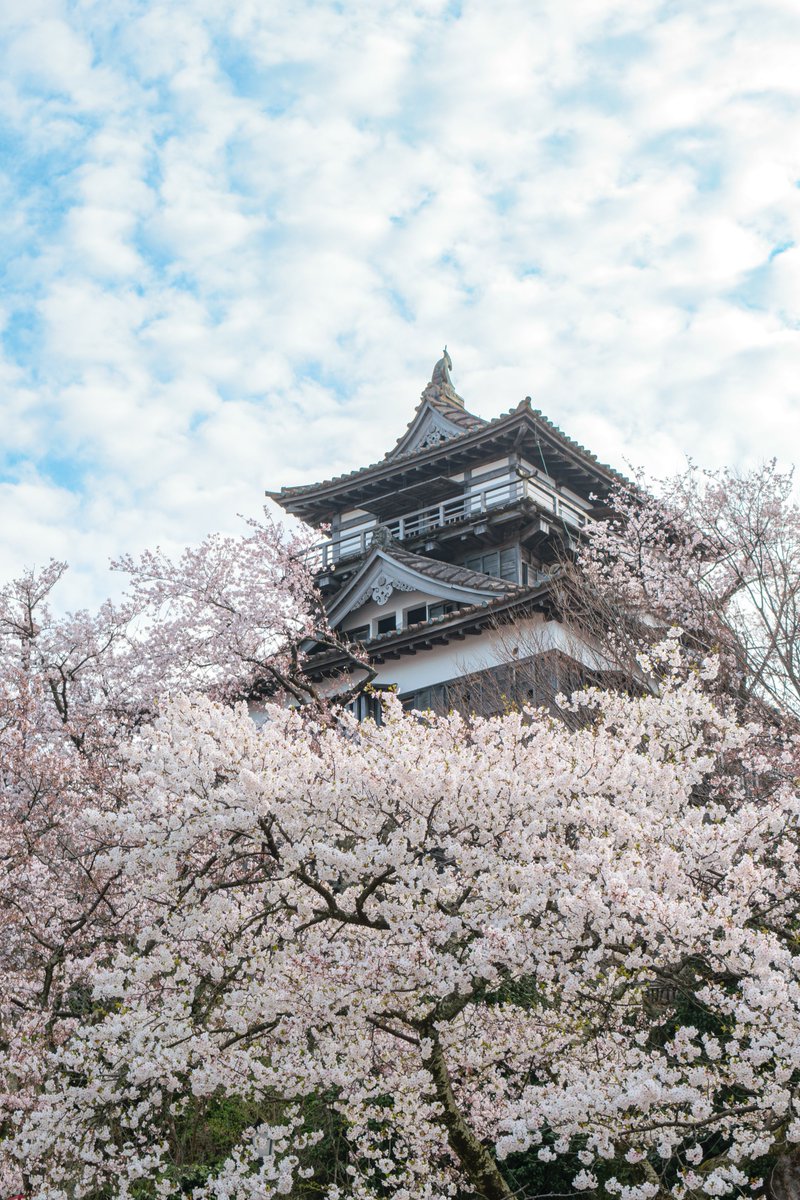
471, 936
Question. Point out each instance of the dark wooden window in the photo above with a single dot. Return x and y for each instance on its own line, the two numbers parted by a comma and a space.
429, 612
431, 699
367, 707
500, 563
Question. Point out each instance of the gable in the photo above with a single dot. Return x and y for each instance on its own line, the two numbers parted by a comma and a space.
383, 575
429, 428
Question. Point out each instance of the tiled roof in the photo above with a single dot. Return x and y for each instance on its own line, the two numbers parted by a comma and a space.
452, 412
437, 576
287, 493
515, 601
517, 594
568, 441
450, 405
450, 573
458, 415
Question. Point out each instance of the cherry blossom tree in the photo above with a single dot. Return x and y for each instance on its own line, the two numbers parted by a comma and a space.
63, 698
424, 959
472, 941
234, 617
716, 553
229, 618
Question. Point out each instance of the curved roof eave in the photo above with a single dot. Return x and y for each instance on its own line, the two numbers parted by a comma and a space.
295, 499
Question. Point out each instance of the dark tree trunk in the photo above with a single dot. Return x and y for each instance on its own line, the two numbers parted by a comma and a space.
477, 1162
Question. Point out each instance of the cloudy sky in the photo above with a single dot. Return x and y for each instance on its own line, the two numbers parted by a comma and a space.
237, 234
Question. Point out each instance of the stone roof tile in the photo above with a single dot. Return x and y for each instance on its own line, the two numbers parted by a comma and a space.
287, 493
453, 574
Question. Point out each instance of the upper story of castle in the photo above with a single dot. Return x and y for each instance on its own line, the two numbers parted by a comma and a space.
456, 487
454, 532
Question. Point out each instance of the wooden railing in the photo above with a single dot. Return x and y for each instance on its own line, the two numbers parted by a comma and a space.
469, 506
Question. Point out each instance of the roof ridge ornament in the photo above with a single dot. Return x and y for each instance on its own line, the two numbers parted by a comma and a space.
381, 536
442, 369
441, 384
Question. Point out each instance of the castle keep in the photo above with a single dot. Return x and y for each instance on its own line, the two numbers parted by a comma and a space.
442, 558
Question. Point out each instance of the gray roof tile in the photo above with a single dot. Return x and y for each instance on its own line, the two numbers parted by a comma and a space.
453, 574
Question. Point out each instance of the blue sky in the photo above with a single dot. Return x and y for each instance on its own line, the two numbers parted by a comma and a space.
237, 235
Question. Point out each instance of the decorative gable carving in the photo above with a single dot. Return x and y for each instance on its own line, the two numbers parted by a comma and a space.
381, 589
428, 429
436, 435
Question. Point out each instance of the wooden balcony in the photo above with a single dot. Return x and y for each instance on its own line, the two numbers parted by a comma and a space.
501, 493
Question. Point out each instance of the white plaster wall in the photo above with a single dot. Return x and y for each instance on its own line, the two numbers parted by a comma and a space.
492, 648
567, 493
494, 465
534, 468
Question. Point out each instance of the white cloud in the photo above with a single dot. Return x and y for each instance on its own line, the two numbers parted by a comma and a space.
240, 233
